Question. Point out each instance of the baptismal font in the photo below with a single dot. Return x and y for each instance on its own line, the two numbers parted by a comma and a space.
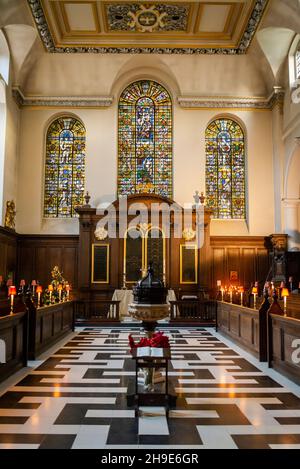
149, 306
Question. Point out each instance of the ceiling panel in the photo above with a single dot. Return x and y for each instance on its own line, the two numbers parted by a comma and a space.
79, 16
206, 26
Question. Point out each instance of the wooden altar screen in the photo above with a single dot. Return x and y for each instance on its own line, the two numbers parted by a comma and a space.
110, 262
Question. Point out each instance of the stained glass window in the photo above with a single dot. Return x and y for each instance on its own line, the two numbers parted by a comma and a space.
145, 140
297, 63
225, 169
65, 168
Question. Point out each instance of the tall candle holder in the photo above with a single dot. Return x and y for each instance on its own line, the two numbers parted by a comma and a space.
284, 294
59, 288
124, 281
254, 292
50, 289
39, 290
241, 290
230, 294
33, 284
12, 291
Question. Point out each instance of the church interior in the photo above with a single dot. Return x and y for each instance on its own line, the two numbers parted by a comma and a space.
149, 224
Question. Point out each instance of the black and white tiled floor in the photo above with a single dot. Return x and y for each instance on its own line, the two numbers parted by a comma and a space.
77, 398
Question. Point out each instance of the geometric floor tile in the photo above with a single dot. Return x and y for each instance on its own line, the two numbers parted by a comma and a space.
77, 398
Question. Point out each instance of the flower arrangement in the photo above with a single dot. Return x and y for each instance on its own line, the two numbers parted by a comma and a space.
158, 340
57, 289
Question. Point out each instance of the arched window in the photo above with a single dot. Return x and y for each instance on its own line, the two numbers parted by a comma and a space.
225, 169
297, 63
65, 167
294, 62
145, 140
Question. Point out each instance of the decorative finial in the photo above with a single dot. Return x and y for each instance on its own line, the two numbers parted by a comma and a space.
87, 198
196, 197
199, 198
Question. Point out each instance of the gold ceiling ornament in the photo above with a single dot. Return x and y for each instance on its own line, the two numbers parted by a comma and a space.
188, 234
101, 233
147, 19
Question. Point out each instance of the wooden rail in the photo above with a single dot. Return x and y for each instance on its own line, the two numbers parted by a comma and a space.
194, 310
100, 310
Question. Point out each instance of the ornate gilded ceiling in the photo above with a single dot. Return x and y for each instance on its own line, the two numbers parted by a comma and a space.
184, 27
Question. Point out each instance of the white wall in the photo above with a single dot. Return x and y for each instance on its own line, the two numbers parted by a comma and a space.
189, 166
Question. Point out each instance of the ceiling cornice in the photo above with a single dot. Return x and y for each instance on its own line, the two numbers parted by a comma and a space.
186, 102
61, 101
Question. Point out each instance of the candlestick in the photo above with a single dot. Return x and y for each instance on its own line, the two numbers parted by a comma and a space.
242, 294
68, 291
230, 295
284, 294
254, 291
12, 291
222, 293
59, 288
39, 290
33, 284
50, 289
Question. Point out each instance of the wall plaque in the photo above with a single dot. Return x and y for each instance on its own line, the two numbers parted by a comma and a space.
100, 263
188, 263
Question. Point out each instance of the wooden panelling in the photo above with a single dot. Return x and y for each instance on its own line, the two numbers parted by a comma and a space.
13, 331
241, 324
248, 255
8, 252
285, 346
47, 325
33, 257
37, 255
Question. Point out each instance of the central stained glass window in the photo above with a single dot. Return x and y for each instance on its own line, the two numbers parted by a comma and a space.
65, 168
145, 140
225, 169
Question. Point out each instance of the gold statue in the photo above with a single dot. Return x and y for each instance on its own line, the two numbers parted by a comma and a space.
10, 215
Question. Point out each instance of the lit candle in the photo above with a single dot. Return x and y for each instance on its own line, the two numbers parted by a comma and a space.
12, 291
59, 288
222, 293
50, 289
68, 288
39, 290
242, 293
33, 284
230, 294
254, 291
284, 294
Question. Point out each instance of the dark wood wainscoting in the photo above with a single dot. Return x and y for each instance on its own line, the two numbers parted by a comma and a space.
8, 252
241, 324
246, 255
284, 349
47, 325
38, 254
13, 332
33, 256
